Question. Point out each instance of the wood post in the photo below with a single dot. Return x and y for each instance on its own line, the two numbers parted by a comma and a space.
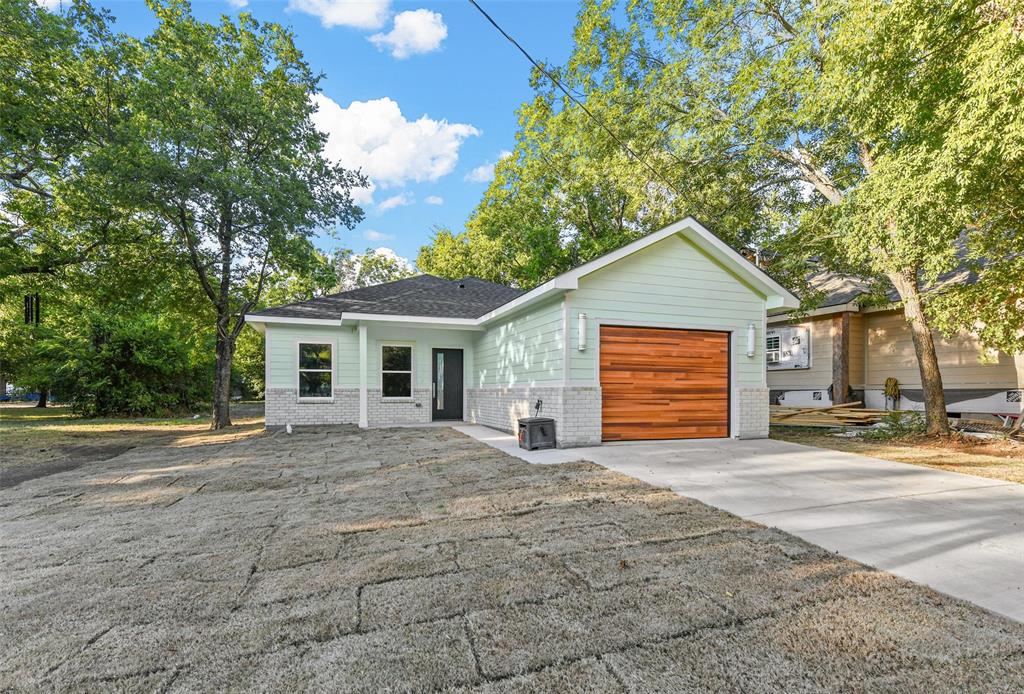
840, 357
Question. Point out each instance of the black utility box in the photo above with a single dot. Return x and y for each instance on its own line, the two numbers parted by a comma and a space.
536, 432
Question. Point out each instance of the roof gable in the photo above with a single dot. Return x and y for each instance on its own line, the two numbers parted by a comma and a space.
474, 302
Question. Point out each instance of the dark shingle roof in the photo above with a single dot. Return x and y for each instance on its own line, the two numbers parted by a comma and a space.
422, 295
842, 289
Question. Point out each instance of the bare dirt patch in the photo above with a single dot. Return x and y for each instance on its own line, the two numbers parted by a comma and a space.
73, 457
421, 560
993, 458
38, 442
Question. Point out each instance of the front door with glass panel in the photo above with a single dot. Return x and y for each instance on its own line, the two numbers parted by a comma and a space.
447, 389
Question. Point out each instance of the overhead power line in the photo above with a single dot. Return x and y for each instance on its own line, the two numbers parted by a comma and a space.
554, 80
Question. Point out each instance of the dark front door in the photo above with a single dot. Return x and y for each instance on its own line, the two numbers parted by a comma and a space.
447, 401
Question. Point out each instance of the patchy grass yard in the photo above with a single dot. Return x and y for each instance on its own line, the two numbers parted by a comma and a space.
420, 560
43, 441
993, 458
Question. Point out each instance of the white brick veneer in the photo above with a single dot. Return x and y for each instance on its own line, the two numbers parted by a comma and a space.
576, 410
282, 407
753, 413
580, 423
386, 413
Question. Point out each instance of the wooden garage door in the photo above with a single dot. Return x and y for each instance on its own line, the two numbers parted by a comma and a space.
663, 384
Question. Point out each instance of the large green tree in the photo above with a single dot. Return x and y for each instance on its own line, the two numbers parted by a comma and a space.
228, 163
126, 333
883, 137
64, 85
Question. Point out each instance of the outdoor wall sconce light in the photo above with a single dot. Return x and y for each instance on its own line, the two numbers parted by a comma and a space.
751, 340
581, 335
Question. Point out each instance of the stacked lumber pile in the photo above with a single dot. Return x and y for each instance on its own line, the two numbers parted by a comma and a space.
845, 415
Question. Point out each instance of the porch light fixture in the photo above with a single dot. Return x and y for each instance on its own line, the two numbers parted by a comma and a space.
751, 340
581, 339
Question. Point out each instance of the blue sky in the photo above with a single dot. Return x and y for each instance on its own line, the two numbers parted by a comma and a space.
422, 95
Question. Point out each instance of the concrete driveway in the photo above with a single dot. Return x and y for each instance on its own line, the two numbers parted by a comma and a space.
959, 534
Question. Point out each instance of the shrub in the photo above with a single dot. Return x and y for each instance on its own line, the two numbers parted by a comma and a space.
897, 425
140, 365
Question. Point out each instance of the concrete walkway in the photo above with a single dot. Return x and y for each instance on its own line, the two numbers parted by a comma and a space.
959, 534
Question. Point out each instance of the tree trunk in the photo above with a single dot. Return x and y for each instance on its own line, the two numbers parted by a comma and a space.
936, 418
222, 379
44, 395
840, 358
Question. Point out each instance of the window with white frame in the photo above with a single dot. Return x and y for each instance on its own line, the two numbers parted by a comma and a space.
396, 371
772, 349
315, 370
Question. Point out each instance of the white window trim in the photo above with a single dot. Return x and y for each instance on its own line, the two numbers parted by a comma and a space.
411, 371
777, 350
333, 370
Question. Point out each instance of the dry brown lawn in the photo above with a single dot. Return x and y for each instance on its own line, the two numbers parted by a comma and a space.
422, 560
993, 458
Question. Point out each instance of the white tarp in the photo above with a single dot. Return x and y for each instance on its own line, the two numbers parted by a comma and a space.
788, 347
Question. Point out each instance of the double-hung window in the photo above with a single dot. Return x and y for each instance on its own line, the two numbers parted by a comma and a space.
396, 371
772, 349
315, 370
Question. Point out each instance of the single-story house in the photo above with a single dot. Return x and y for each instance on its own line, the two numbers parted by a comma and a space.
853, 338
662, 338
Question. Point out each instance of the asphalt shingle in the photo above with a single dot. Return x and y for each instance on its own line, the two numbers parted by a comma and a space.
423, 295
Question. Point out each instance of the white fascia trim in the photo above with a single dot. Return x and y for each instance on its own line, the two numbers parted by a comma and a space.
550, 288
283, 319
259, 322
851, 307
891, 306
414, 321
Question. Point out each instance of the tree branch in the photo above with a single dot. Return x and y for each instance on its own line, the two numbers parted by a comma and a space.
193, 253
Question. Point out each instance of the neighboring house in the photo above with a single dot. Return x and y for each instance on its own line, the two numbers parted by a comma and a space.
662, 338
848, 340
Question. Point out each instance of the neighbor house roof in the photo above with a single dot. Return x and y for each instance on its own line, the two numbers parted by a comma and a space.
422, 295
472, 302
847, 292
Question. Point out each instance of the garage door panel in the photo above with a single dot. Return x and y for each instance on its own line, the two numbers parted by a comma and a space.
658, 383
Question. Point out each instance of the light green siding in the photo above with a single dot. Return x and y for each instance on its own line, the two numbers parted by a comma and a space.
423, 341
282, 360
523, 350
669, 284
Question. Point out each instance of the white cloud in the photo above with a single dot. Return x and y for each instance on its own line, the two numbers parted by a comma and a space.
374, 235
361, 14
374, 136
415, 31
238, 4
399, 200
364, 196
434, 200
485, 172
390, 253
